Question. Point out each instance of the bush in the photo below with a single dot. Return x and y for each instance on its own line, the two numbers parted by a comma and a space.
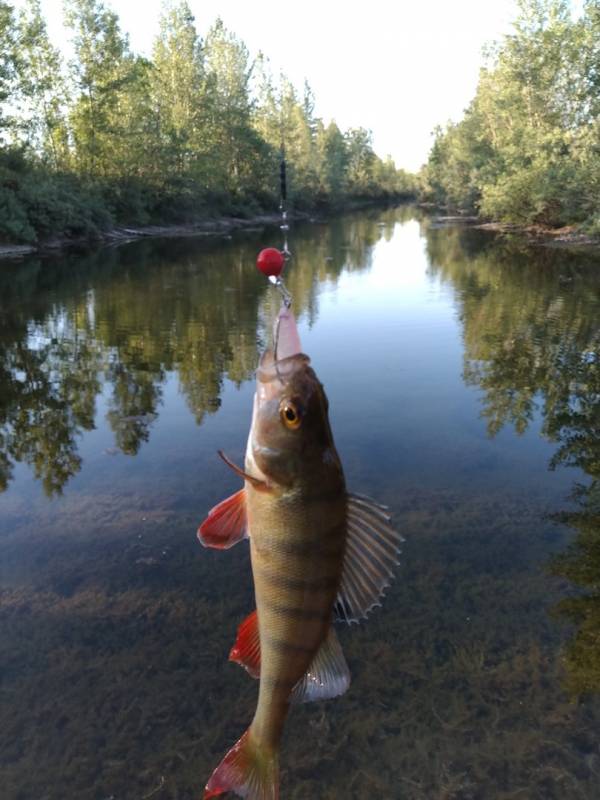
14, 222
541, 193
35, 204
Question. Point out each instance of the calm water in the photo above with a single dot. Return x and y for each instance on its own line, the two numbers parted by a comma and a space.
464, 385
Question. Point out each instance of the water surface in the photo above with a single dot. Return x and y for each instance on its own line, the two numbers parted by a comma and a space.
464, 383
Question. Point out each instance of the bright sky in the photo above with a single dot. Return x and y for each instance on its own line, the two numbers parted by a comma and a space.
396, 67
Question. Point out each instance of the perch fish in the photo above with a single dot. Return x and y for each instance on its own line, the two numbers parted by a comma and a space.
318, 554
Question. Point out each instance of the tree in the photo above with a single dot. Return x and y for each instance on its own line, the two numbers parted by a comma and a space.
179, 96
333, 161
42, 91
241, 154
360, 161
7, 59
104, 72
527, 148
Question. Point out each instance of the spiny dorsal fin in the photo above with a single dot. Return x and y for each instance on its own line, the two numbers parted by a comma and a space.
328, 675
372, 548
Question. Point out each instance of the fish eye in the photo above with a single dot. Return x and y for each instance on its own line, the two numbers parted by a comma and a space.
290, 415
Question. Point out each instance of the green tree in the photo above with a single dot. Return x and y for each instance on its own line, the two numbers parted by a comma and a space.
42, 91
7, 59
241, 156
333, 161
104, 72
267, 122
180, 98
361, 159
527, 149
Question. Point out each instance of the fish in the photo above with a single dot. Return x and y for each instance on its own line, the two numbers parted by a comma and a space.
319, 554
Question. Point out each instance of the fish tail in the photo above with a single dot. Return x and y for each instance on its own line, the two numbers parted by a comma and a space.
248, 769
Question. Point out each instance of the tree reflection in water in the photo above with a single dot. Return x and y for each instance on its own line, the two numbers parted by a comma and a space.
127, 318
116, 626
533, 348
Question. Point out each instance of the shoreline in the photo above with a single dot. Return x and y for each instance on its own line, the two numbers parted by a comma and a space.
121, 234
567, 236
208, 226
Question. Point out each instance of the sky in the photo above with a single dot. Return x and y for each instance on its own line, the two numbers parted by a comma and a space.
396, 67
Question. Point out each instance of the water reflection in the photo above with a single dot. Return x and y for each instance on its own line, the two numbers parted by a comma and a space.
116, 626
48, 388
536, 350
120, 321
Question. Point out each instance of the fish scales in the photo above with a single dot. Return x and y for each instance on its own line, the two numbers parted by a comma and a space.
297, 568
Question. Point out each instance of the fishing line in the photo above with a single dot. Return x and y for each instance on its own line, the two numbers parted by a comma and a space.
271, 262
284, 228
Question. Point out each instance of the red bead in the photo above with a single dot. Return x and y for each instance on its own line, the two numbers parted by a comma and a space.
270, 261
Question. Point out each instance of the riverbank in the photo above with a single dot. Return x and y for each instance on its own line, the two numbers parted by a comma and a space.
567, 236
210, 226
219, 226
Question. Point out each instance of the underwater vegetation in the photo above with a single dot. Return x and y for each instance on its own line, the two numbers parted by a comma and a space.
114, 672
580, 565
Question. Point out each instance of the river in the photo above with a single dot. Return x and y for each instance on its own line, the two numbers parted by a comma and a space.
463, 377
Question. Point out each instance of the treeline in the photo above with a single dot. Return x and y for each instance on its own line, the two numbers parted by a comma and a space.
194, 130
528, 147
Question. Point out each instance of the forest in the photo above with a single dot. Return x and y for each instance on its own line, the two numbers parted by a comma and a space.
527, 150
196, 130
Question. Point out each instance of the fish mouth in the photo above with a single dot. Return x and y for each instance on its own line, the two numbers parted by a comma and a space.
286, 360
274, 374
285, 334
280, 369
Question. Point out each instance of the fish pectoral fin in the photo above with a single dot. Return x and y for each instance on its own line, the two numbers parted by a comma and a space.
372, 548
328, 674
226, 523
256, 482
246, 650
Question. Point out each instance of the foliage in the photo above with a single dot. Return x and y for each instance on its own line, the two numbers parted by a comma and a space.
528, 147
531, 348
7, 57
41, 92
36, 203
196, 129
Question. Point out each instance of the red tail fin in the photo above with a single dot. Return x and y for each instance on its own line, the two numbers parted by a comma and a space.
248, 771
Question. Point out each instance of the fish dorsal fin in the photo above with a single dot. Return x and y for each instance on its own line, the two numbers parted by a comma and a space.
226, 524
328, 675
246, 650
372, 548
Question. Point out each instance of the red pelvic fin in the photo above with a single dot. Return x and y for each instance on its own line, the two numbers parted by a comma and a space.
226, 523
248, 771
246, 650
